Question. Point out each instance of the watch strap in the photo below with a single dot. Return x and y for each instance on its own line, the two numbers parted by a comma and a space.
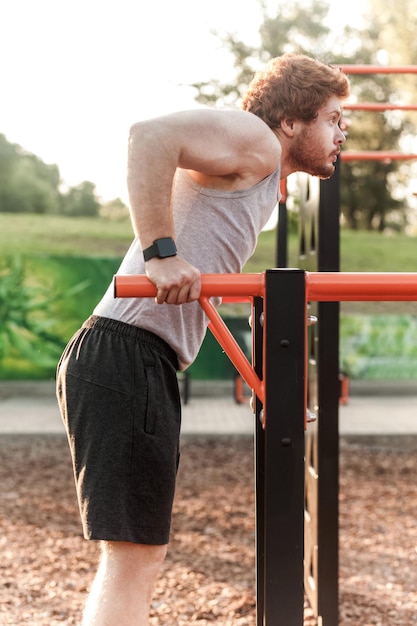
161, 248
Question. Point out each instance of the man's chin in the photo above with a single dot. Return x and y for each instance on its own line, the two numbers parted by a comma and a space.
322, 174
325, 174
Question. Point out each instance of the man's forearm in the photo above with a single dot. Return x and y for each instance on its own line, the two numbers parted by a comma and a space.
151, 169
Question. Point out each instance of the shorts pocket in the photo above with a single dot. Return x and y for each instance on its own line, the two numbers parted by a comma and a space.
152, 411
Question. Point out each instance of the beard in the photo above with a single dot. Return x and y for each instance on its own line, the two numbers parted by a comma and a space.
306, 156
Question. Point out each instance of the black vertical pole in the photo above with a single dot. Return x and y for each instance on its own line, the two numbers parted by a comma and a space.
259, 434
328, 395
282, 236
284, 334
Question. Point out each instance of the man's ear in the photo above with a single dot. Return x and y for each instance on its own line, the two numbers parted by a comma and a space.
287, 126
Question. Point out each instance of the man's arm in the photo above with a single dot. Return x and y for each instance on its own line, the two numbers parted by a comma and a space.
223, 149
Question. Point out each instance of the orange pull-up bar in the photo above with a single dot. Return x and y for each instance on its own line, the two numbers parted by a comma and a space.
361, 286
228, 286
377, 69
376, 155
222, 285
320, 287
378, 106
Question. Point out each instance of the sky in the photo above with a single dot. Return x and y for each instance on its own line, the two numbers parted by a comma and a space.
75, 74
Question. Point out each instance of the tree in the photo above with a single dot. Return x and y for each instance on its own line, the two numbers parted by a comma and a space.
395, 30
370, 187
291, 27
367, 187
114, 209
27, 184
81, 201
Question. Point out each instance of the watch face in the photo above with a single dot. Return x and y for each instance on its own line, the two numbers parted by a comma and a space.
160, 248
166, 247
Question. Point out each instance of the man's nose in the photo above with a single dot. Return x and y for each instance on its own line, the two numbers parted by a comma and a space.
341, 137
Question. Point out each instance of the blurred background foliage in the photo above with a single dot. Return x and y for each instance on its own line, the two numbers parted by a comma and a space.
60, 245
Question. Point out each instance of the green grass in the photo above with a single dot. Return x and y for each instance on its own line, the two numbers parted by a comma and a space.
375, 252
55, 235
360, 251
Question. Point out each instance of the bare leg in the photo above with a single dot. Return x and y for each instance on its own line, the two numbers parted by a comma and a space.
122, 590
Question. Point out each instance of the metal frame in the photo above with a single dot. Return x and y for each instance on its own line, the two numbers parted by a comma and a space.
279, 445
279, 371
319, 249
286, 383
327, 429
278, 376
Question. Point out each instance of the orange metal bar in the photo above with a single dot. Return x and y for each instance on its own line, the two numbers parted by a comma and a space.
361, 286
375, 155
233, 287
377, 69
232, 349
378, 106
283, 190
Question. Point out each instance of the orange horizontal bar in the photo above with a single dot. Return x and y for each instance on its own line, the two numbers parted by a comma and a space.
378, 106
232, 287
377, 69
227, 285
361, 286
376, 155
232, 349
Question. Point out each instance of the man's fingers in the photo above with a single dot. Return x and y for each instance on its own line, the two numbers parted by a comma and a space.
175, 295
161, 296
195, 290
177, 282
179, 296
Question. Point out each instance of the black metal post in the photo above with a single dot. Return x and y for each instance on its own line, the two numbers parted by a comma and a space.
281, 502
282, 236
259, 434
328, 395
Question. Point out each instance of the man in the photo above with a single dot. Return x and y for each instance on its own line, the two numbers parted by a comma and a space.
202, 185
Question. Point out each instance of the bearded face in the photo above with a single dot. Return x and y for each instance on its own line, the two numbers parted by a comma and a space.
310, 153
315, 145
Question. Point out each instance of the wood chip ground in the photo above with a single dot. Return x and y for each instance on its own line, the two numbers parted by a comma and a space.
46, 567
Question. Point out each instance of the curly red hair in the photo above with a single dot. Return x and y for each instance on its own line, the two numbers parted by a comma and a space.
293, 86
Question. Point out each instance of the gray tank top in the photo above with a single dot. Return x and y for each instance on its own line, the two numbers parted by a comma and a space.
216, 231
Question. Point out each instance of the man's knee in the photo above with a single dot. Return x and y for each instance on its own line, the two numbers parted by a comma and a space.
133, 556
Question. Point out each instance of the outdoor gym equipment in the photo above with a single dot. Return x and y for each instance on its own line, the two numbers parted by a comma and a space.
279, 447
297, 477
278, 375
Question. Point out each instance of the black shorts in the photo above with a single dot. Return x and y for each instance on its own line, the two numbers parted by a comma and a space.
118, 394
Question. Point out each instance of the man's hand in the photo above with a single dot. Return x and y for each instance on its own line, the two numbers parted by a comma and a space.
176, 280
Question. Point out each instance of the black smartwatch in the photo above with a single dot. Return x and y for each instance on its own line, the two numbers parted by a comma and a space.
162, 248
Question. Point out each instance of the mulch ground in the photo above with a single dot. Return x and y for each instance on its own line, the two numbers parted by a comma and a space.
46, 567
